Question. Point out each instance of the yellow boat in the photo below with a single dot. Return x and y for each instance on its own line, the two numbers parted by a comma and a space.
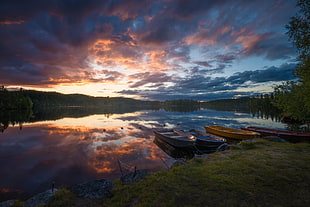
231, 133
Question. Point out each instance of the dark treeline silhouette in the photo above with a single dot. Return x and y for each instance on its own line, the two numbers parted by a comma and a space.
53, 99
52, 106
15, 108
260, 106
14, 100
238, 104
181, 105
22, 106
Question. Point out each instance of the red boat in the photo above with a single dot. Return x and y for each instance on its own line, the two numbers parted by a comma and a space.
288, 135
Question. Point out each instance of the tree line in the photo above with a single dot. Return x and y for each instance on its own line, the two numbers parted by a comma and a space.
15, 100
39, 100
293, 97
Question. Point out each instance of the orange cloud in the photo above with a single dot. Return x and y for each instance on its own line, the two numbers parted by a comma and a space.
249, 42
129, 57
206, 35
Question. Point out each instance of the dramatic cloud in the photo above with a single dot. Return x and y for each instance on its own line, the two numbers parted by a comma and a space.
153, 49
207, 88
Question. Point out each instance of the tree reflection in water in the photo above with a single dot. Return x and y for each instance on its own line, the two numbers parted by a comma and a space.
83, 147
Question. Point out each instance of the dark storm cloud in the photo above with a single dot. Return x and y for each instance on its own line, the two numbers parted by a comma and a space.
205, 88
56, 34
72, 9
282, 73
170, 94
49, 44
159, 34
201, 83
53, 42
190, 9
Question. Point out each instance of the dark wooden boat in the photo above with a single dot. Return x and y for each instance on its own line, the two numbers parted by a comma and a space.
172, 151
288, 135
175, 139
205, 141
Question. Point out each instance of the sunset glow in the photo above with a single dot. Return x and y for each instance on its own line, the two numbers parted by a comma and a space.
155, 50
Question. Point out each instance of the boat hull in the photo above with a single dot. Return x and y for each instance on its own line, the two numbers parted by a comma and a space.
206, 140
287, 135
202, 142
175, 139
231, 133
173, 151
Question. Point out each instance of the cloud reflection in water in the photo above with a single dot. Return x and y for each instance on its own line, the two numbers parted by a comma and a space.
72, 152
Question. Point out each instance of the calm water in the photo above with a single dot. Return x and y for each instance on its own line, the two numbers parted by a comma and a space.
74, 150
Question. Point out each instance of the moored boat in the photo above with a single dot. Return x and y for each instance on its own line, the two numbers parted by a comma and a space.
231, 133
205, 141
288, 135
175, 139
174, 151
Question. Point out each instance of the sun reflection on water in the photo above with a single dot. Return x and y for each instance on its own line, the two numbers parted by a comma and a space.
74, 150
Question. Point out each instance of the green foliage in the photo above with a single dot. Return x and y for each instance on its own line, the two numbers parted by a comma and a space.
62, 198
53, 99
238, 104
299, 29
16, 100
293, 98
18, 203
290, 98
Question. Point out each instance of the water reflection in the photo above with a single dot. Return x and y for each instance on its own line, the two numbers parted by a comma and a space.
74, 150
68, 152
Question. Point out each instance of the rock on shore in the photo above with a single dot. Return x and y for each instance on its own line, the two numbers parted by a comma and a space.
40, 198
93, 189
134, 176
8, 203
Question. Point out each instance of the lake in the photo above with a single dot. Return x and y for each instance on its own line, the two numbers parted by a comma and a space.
69, 151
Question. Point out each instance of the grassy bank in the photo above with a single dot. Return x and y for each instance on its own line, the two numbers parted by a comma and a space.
250, 174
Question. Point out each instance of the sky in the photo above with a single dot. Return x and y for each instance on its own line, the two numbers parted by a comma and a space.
147, 49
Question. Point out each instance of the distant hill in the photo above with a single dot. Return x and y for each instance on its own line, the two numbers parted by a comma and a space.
239, 104
54, 99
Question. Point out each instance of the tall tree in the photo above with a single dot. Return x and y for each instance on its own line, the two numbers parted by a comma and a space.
299, 34
294, 97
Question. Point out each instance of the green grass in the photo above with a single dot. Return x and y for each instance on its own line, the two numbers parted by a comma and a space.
258, 173
18, 203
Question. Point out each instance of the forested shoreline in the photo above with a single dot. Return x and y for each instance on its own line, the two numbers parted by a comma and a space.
14, 100
20, 106
39, 100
